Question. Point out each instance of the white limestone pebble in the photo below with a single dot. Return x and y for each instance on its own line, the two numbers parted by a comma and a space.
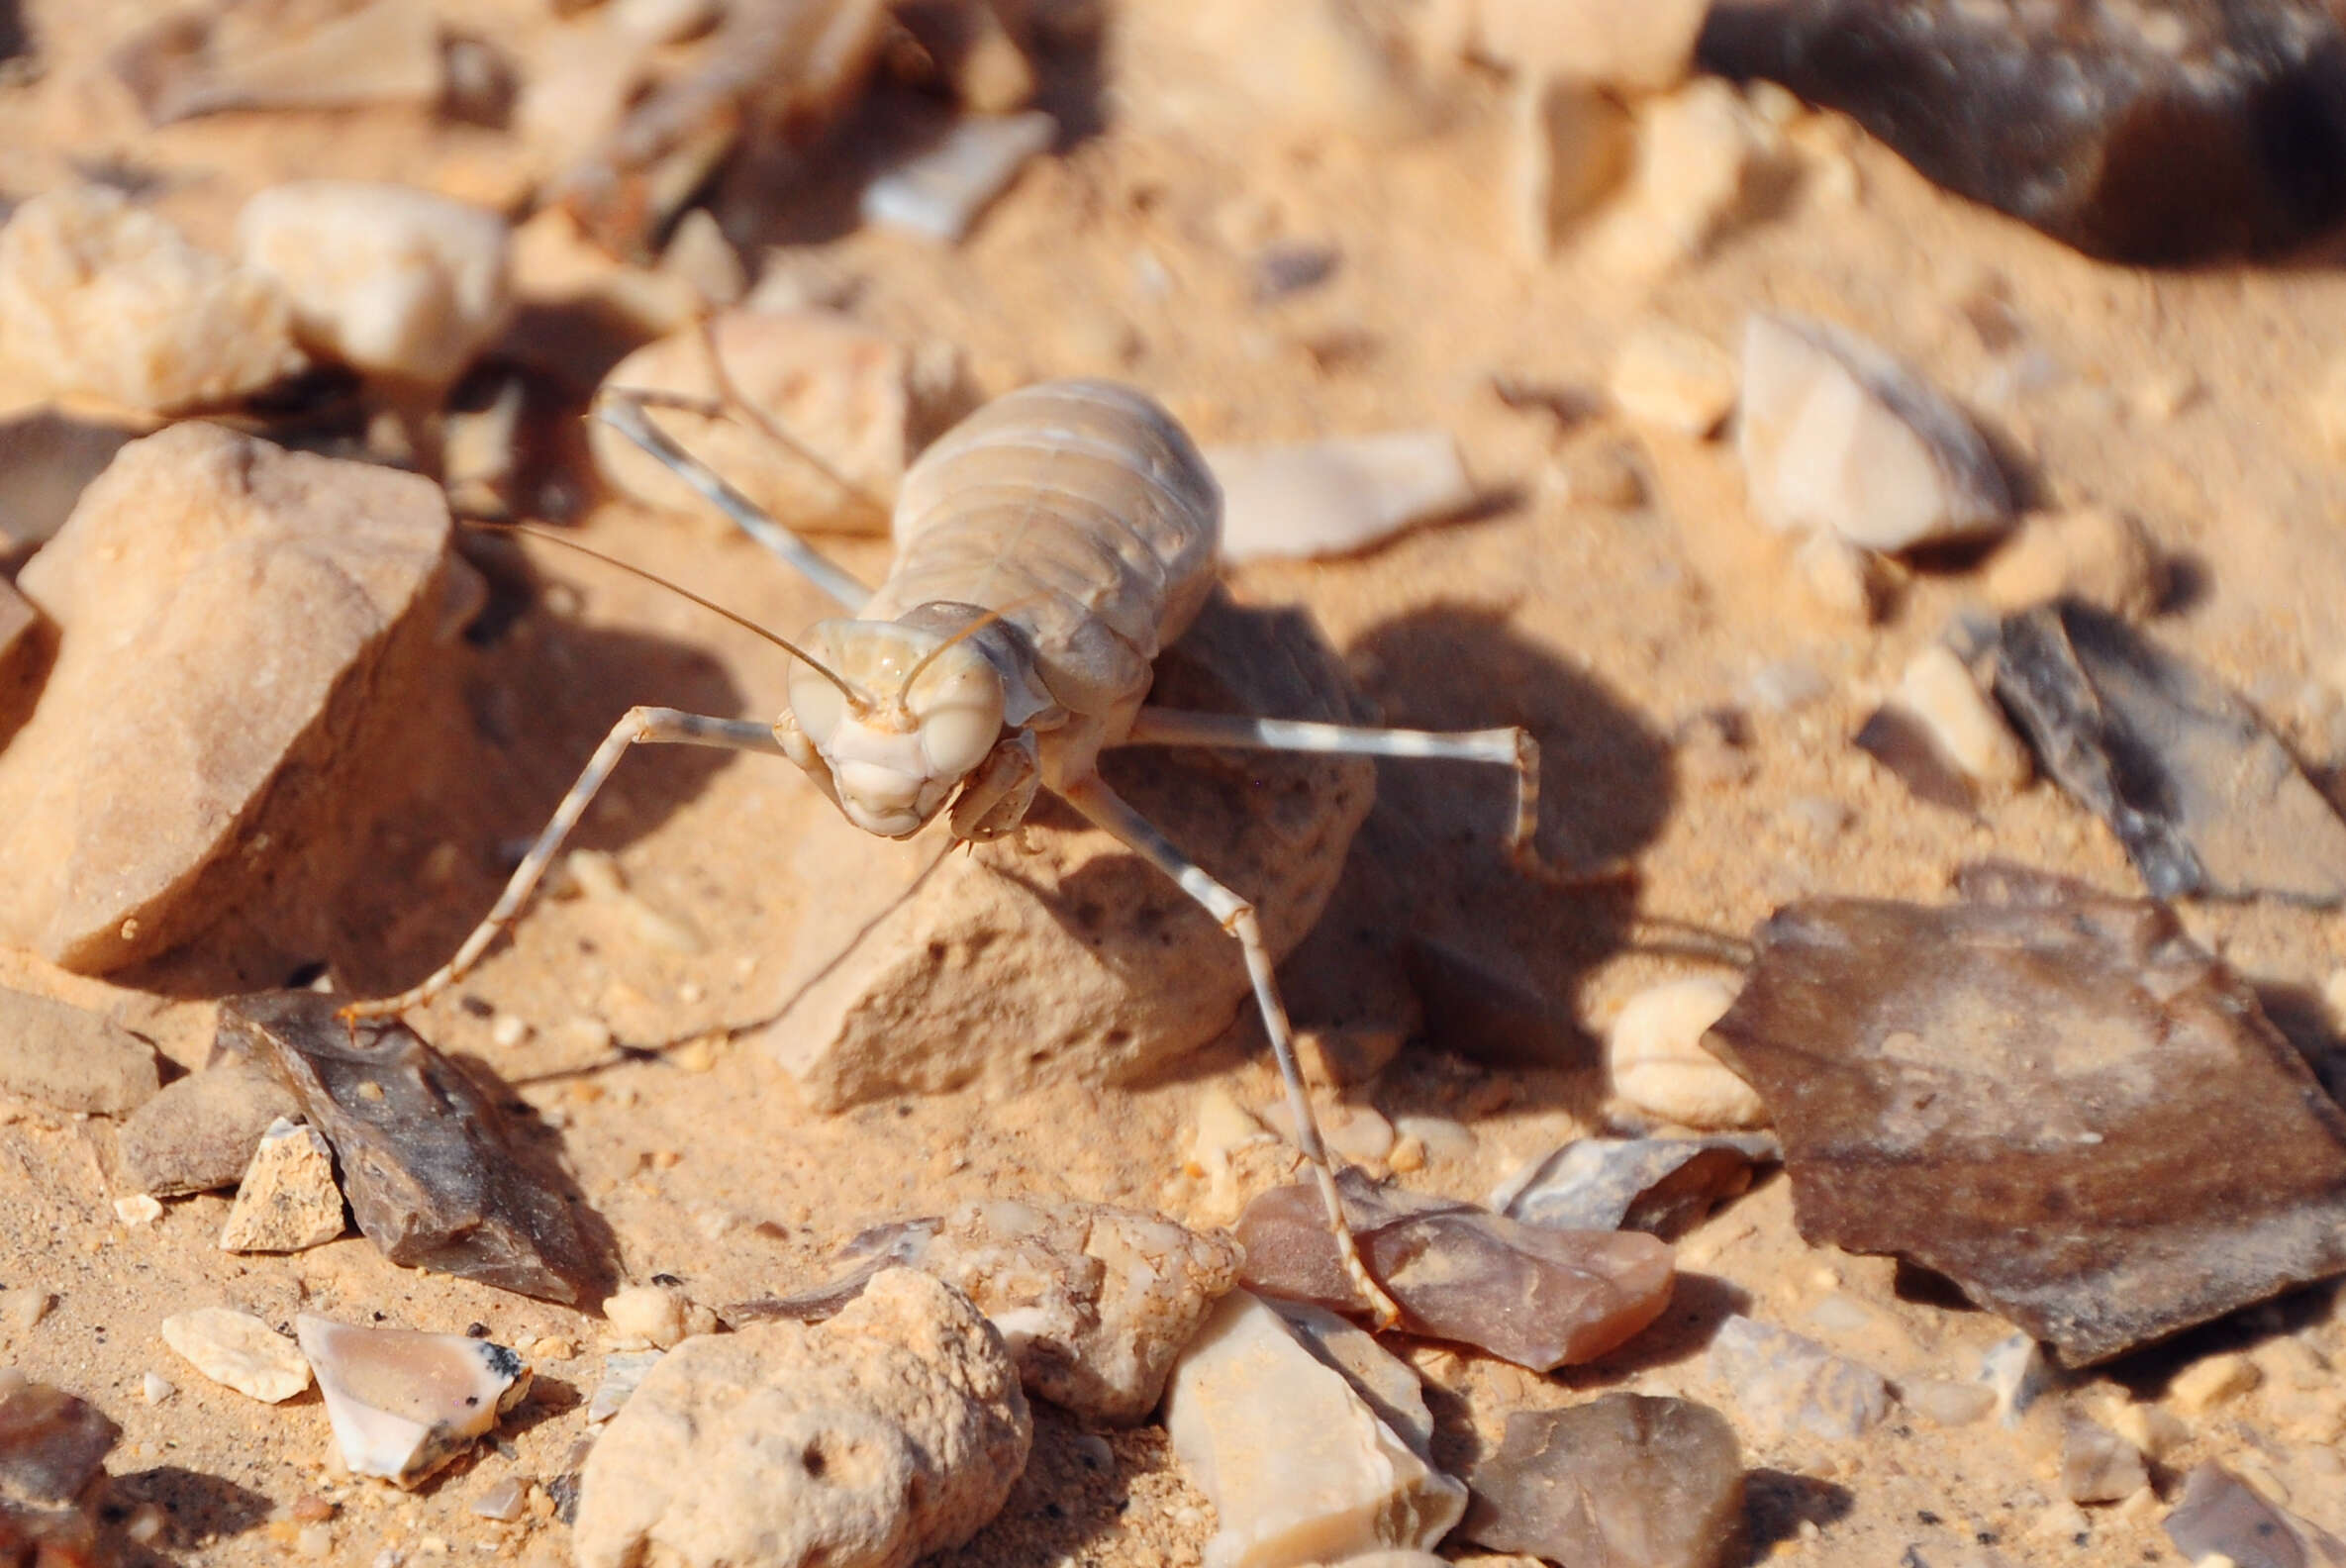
2099, 1466
858, 403
1703, 158
1946, 1402
99, 297
940, 191
239, 1352
2015, 1372
1846, 582
288, 1199
2155, 1432
2095, 553
1299, 1467
1335, 497
890, 1432
2212, 1381
391, 280
138, 1209
660, 1315
23, 1307
1835, 434
1658, 1064
1963, 721
404, 1404
1787, 1383
1671, 376
623, 1374
155, 1388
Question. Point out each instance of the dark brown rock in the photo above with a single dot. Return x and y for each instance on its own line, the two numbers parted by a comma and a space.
1535, 1297
2049, 1095
52, 1445
2206, 800
198, 1134
433, 1174
69, 1060
2169, 130
2218, 1512
1625, 1481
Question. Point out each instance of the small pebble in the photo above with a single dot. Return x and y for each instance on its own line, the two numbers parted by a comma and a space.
1785, 685
23, 1308
2216, 1379
155, 1388
139, 1208
288, 1199
2155, 1432
2095, 553
1338, 496
404, 1404
1408, 1155
1839, 579
1444, 1137
313, 1540
1948, 1402
2099, 1466
504, 1502
1095, 1453
939, 192
2015, 1370
1573, 148
509, 1030
1701, 156
552, 1349
655, 1314
1786, 1383
1658, 1064
239, 1352
1962, 721
310, 1509
1669, 376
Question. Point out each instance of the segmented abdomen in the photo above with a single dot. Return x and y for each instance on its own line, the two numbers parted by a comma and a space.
1082, 511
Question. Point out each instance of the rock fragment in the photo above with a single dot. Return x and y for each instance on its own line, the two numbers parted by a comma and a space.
2048, 1095
2204, 798
239, 1352
1660, 1186
1836, 435
52, 1453
222, 604
433, 1175
265, 54
101, 298
2163, 132
1656, 1057
1670, 376
71, 1060
939, 192
1623, 1479
623, 1374
1299, 1468
403, 1403
2212, 1380
287, 1199
660, 1315
1385, 1382
1094, 1303
2094, 554
1574, 146
856, 404
1702, 159
1943, 736
388, 279
199, 1133
1786, 1383
2099, 1466
1335, 497
2016, 1375
891, 1432
1539, 1298
2220, 1516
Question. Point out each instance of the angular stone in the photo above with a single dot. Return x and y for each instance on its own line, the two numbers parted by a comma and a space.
101, 298
1660, 1186
2222, 1515
1079, 961
1299, 1468
1623, 1480
1573, 147
404, 1405
2102, 556
432, 1176
1383, 1380
1703, 163
1539, 1298
623, 1374
2049, 1095
1787, 1383
1094, 1303
940, 190
391, 280
1836, 435
891, 1432
282, 54
658, 1316
2204, 798
2099, 1466
235, 620
857, 403
237, 1350
1670, 376
1656, 1056
1335, 497
199, 1133
52, 1445
287, 1199
2160, 132
71, 1060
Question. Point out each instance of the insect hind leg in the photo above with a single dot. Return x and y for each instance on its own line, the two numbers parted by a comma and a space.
1104, 808
1511, 746
635, 727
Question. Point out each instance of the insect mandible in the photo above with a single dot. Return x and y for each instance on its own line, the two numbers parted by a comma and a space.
1047, 548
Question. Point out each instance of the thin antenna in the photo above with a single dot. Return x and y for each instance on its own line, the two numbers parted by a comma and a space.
547, 536
730, 401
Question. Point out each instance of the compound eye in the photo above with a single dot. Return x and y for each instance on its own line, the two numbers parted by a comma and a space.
816, 703
956, 738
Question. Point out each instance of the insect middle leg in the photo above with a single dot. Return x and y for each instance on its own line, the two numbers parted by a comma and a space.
1106, 808
636, 725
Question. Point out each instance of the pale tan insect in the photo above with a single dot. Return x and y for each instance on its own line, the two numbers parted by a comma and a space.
1046, 549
